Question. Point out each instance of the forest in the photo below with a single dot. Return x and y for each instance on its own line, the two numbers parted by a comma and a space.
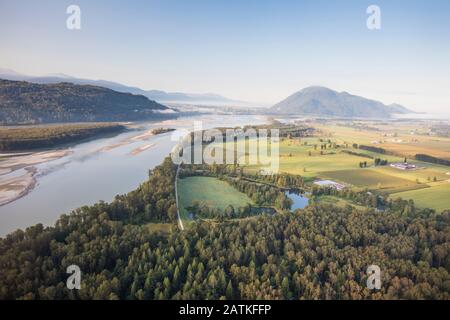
51, 136
30, 103
321, 252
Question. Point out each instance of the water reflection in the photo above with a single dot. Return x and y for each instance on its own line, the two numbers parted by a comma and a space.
299, 201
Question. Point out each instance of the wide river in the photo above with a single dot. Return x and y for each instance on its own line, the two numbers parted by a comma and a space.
101, 169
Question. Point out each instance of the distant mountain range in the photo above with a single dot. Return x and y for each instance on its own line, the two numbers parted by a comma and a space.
326, 102
25, 103
157, 95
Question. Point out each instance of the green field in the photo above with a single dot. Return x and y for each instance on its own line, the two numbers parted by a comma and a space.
210, 191
436, 197
338, 202
369, 178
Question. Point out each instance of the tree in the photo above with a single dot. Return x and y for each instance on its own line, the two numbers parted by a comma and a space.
229, 291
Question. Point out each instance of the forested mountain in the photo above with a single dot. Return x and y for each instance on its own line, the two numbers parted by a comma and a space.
24, 103
157, 95
327, 102
321, 252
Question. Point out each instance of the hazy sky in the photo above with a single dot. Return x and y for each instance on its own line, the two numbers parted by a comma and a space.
253, 50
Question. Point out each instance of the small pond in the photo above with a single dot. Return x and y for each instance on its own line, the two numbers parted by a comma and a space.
300, 201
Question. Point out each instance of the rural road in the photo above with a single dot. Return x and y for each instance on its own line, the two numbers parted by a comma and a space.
176, 198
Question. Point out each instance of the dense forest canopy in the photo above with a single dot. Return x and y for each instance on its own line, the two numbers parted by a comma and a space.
49, 136
26, 103
321, 252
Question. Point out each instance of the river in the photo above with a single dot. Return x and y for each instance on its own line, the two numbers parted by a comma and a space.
101, 169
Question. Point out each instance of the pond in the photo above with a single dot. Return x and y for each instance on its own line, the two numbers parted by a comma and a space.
300, 201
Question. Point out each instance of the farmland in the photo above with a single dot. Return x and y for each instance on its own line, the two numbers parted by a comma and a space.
435, 197
334, 154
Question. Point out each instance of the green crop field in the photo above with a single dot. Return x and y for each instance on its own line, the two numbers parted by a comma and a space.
210, 191
370, 178
436, 197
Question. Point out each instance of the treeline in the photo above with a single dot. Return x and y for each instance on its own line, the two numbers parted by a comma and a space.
358, 154
28, 138
382, 202
281, 180
162, 130
321, 252
261, 194
372, 149
203, 211
430, 159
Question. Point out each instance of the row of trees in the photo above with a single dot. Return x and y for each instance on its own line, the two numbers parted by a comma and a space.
203, 211
383, 202
431, 159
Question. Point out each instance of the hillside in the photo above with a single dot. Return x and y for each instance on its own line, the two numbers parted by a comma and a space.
157, 95
25, 103
326, 102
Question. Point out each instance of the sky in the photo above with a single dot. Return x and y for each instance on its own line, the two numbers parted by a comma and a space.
252, 50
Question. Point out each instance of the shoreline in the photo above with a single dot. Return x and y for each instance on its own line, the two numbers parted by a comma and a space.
18, 187
15, 187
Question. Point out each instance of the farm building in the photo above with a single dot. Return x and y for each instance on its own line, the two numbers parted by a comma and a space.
404, 166
329, 183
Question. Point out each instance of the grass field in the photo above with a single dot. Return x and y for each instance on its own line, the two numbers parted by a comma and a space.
369, 178
338, 202
210, 191
436, 197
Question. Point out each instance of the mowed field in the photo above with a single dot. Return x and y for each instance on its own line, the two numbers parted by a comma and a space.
210, 191
370, 178
435, 197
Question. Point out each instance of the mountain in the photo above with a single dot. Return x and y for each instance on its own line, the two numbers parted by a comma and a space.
24, 102
326, 102
157, 95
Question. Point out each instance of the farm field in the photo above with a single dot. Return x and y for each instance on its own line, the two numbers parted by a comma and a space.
338, 202
210, 191
436, 197
395, 138
369, 178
